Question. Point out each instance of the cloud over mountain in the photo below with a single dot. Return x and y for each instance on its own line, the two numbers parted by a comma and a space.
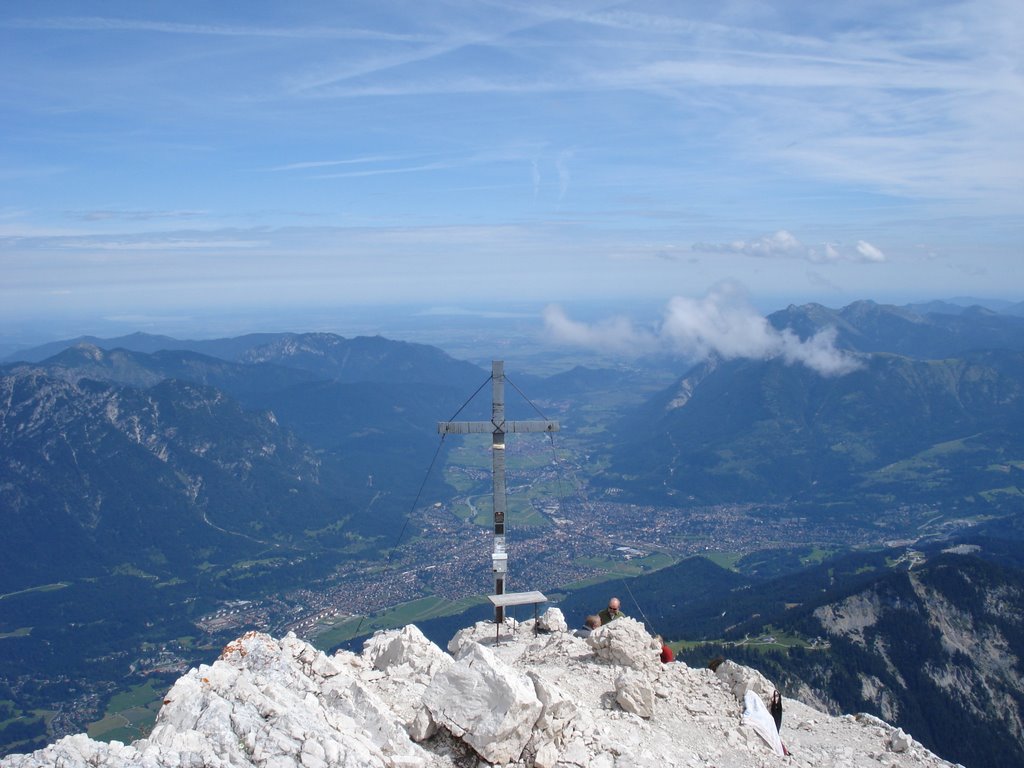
721, 323
615, 334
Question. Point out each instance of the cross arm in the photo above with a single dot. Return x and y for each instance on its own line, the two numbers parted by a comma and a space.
531, 426
473, 427
464, 427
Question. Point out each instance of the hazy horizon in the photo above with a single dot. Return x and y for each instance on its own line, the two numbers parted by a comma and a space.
436, 325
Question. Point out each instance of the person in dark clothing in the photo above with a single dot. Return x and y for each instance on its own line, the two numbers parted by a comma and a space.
589, 625
776, 709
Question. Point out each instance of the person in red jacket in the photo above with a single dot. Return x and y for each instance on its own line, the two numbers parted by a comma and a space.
666, 652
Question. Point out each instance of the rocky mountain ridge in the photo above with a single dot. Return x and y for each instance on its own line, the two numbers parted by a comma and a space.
930, 414
522, 694
930, 638
319, 355
949, 631
897, 428
92, 465
868, 327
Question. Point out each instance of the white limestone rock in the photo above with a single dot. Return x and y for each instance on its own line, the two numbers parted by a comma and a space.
899, 741
625, 642
546, 756
409, 662
347, 702
407, 647
741, 679
487, 704
555, 723
486, 633
282, 708
635, 695
264, 702
545, 700
557, 711
552, 620
78, 751
480, 631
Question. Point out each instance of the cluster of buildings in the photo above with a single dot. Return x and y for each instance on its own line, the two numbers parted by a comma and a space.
568, 539
450, 558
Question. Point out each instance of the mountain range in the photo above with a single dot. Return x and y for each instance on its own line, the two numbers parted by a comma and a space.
140, 490
113, 449
931, 640
145, 481
903, 427
865, 326
163, 478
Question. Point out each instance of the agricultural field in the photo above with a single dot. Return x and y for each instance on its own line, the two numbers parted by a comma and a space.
130, 715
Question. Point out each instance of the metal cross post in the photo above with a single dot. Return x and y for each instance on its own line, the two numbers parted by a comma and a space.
497, 426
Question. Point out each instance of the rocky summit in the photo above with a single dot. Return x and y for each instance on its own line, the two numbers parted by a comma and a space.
520, 694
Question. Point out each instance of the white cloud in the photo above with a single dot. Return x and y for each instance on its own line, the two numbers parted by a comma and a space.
783, 245
869, 252
617, 334
720, 324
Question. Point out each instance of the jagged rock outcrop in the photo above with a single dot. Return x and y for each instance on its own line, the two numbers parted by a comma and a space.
517, 696
485, 702
741, 679
635, 695
552, 620
626, 643
408, 662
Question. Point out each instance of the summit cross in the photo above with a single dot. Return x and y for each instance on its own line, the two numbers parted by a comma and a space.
498, 427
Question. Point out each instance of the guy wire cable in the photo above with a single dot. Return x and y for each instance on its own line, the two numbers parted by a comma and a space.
647, 622
412, 509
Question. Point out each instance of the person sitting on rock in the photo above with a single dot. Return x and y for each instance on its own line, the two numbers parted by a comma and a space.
612, 612
666, 652
589, 625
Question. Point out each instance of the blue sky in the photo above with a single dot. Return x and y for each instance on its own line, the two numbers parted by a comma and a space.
165, 159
